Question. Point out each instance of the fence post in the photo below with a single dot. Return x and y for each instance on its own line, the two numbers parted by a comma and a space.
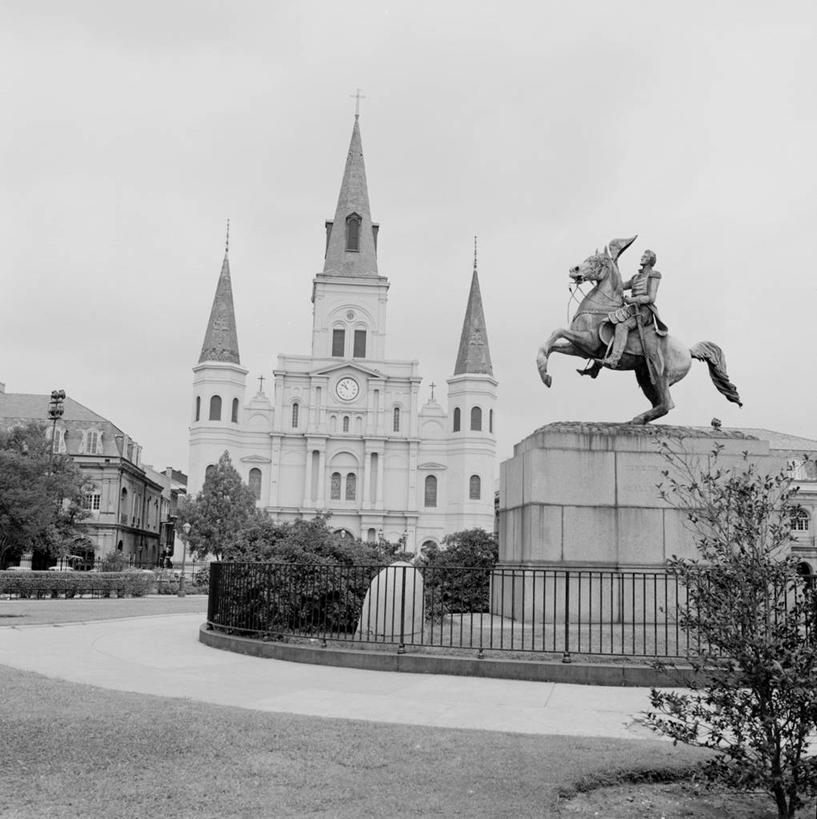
401, 649
566, 655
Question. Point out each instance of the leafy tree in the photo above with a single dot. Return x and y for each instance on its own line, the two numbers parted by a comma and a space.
220, 514
753, 697
40, 496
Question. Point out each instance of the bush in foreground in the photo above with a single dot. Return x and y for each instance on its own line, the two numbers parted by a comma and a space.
73, 584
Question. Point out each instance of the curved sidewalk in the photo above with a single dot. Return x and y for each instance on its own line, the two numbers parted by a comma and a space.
161, 655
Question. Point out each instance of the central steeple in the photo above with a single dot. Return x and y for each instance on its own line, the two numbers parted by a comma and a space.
473, 355
221, 336
351, 239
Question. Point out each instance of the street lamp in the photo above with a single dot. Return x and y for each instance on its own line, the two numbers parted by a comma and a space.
186, 529
55, 412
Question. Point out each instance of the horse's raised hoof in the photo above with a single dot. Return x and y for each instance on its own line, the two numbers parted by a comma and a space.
546, 379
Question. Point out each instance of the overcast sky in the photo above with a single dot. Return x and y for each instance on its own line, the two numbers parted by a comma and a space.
131, 131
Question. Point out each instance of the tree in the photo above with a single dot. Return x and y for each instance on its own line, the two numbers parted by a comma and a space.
40, 495
753, 696
220, 513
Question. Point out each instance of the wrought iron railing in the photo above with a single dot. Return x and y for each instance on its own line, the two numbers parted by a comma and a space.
531, 610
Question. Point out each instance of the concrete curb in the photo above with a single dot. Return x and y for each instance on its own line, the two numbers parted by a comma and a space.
576, 673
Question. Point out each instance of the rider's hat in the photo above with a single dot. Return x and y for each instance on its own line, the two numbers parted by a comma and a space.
618, 246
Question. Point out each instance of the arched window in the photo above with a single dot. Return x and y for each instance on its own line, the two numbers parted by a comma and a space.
396, 419
338, 342
334, 486
474, 487
198, 407
359, 350
295, 410
490, 420
371, 536
800, 521
345, 423
476, 419
457, 415
431, 490
255, 482
351, 486
234, 416
353, 232
215, 408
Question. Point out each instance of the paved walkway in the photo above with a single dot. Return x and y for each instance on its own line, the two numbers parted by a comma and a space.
162, 655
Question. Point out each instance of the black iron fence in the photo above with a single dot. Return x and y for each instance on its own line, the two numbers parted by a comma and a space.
564, 612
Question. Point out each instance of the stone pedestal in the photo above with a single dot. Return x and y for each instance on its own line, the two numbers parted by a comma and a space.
584, 495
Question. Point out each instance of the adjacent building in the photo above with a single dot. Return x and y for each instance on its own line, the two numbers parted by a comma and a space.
343, 428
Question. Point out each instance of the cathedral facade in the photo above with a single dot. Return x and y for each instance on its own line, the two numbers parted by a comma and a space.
344, 430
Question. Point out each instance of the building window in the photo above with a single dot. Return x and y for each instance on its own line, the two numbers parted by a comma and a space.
338, 342
334, 486
58, 442
198, 407
474, 487
353, 232
476, 419
360, 344
351, 486
396, 419
490, 421
295, 412
234, 415
800, 521
371, 535
92, 442
431, 491
208, 473
345, 423
215, 408
255, 483
457, 421
91, 501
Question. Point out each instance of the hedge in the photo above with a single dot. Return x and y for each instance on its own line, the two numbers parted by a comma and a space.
73, 584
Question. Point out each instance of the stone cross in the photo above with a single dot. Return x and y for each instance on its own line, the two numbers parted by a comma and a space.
357, 97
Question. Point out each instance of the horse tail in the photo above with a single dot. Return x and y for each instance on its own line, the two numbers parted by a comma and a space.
716, 361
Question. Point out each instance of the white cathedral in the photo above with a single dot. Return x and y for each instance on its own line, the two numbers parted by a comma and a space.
344, 431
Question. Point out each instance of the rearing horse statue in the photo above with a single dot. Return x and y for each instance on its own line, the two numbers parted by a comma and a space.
659, 361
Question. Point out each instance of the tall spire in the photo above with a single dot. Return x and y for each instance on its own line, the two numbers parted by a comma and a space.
351, 249
221, 337
474, 355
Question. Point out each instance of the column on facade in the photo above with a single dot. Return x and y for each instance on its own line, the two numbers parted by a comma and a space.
307, 494
322, 476
414, 390
275, 470
411, 501
381, 459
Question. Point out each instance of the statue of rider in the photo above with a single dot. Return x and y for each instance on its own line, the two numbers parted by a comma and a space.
643, 289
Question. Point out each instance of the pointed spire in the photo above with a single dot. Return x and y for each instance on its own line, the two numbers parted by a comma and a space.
474, 355
350, 248
221, 337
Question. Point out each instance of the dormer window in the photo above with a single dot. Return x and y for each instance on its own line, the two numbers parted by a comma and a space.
353, 232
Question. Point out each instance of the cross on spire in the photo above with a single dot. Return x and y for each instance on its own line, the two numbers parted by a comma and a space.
357, 97
475, 252
261, 383
432, 385
227, 239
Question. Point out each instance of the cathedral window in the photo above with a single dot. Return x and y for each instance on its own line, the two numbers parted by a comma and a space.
457, 417
234, 415
430, 491
209, 472
295, 412
255, 483
474, 487
338, 342
345, 423
476, 419
371, 535
351, 486
334, 486
353, 232
198, 407
215, 408
360, 344
396, 419
490, 420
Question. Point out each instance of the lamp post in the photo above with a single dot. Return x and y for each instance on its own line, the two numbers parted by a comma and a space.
186, 529
55, 412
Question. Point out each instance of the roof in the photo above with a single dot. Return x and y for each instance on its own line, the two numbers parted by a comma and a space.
353, 201
782, 440
221, 336
474, 356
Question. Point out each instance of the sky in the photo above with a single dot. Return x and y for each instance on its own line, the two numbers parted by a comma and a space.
132, 131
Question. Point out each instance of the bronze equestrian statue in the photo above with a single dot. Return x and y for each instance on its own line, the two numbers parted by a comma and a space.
626, 333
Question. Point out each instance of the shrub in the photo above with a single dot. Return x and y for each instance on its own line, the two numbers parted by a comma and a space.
71, 584
113, 562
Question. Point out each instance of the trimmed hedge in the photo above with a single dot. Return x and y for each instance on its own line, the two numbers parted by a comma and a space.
73, 584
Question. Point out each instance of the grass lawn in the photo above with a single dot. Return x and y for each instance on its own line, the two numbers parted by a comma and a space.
74, 750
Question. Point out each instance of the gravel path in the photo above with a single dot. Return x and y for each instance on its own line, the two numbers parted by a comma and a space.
16, 612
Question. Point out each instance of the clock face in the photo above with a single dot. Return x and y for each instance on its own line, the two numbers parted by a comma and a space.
347, 389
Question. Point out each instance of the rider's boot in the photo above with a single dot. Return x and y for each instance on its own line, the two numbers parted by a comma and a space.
613, 359
592, 371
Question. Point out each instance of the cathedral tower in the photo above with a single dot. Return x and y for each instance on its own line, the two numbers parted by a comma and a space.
219, 383
472, 392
